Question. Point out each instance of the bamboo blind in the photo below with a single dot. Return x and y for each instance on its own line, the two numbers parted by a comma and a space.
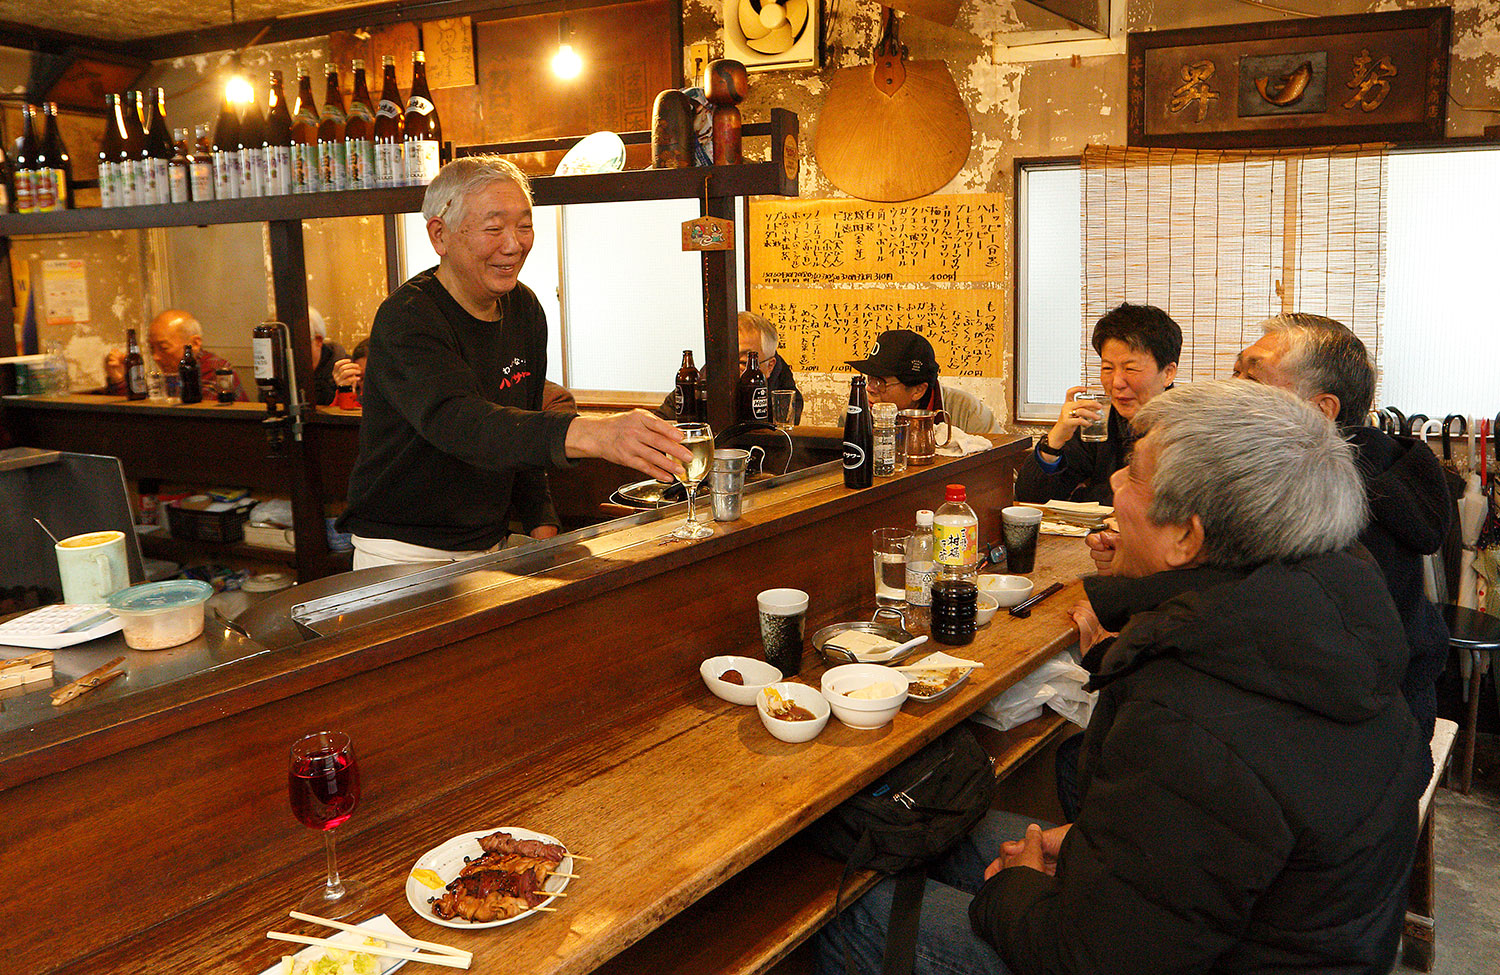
1221, 240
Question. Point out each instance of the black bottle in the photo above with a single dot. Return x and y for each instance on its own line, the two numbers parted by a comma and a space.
189, 378
685, 393
754, 396
859, 438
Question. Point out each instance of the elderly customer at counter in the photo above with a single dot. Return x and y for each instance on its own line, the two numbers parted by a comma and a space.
903, 369
1323, 362
168, 335
1138, 348
454, 435
1250, 772
758, 335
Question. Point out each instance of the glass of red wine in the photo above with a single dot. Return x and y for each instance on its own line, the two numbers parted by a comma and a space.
323, 783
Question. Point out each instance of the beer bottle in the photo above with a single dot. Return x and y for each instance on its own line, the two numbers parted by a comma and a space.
685, 396
390, 166
201, 164
158, 155
54, 164
252, 151
109, 155
135, 367
189, 377
859, 438
226, 152
755, 397
305, 138
25, 166
180, 169
5, 178
424, 132
333, 164
278, 144
359, 134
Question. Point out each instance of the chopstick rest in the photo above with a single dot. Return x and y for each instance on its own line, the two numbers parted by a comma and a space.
97, 677
1024, 609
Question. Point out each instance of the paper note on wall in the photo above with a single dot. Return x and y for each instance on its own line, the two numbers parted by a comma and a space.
65, 292
821, 329
957, 238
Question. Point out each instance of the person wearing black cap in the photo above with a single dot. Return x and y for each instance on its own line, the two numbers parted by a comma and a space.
1138, 348
903, 370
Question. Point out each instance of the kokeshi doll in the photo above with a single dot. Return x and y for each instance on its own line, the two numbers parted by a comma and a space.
672, 137
728, 83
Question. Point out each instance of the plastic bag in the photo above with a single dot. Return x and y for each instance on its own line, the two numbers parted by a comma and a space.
1057, 684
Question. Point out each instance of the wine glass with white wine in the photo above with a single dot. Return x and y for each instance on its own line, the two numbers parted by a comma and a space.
699, 439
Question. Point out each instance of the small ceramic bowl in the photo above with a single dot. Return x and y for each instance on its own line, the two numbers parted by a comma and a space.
1007, 590
859, 712
757, 674
794, 731
985, 608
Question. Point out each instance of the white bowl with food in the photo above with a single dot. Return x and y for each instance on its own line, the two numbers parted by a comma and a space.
794, 713
1007, 590
985, 608
737, 679
865, 695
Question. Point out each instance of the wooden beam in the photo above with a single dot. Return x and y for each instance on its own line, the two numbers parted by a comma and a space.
47, 41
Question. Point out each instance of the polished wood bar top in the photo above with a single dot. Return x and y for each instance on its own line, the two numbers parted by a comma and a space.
243, 412
669, 802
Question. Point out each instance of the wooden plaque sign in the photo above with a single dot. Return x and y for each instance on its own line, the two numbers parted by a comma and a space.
708, 234
1325, 81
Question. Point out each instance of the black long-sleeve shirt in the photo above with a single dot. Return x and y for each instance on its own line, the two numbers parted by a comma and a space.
452, 429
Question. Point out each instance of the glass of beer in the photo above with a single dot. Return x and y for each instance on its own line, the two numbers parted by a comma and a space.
1096, 431
699, 439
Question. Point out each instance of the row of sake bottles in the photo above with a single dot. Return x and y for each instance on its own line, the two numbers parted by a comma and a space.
42, 172
250, 154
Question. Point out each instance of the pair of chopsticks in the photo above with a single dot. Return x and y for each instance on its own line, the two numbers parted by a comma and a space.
434, 954
1024, 609
97, 677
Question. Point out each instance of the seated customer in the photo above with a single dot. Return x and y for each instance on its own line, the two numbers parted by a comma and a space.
1324, 363
324, 355
903, 369
1138, 346
168, 335
1250, 773
758, 335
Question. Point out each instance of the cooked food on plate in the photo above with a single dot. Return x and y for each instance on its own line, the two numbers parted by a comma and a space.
506, 880
925, 683
733, 677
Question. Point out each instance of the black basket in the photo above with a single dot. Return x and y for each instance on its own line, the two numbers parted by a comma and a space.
192, 525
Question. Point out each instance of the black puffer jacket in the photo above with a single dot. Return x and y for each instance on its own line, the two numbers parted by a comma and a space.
1250, 781
1086, 467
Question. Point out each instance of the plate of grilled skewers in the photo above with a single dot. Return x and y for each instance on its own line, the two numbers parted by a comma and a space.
489, 877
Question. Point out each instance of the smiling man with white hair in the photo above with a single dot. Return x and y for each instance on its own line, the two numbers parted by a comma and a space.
453, 429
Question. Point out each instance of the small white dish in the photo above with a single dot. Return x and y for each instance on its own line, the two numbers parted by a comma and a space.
794, 732
863, 713
757, 674
1007, 590
985, 608
447, 860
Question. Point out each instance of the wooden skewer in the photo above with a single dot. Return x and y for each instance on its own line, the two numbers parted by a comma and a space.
97, 677
399, 939
570, 876
447, 961
579, 856
549, 910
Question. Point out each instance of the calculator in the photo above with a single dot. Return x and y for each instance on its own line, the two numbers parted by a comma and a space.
62, 625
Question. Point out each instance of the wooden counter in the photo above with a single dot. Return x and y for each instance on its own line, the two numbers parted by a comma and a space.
567, 702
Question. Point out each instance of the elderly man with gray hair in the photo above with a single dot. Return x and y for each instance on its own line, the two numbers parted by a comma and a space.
453, 429
1327, 365
1250, 773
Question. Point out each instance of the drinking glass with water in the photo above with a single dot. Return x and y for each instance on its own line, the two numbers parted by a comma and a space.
889, 546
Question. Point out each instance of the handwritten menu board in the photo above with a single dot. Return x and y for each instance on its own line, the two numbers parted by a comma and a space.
957, 238
821, 329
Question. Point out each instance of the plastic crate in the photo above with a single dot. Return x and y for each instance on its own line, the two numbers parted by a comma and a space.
191, 524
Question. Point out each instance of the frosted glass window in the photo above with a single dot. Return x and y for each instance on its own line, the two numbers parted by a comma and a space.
1442, 330
1049, 290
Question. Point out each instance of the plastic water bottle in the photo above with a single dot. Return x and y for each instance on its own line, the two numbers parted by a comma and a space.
919, 567
955, 538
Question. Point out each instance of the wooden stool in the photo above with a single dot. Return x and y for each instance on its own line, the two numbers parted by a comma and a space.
1418, 934
1477, 634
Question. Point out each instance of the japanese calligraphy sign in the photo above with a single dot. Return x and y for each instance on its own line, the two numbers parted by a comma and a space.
1321, 81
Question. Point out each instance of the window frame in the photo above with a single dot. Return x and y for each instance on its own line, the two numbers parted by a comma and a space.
1022, 409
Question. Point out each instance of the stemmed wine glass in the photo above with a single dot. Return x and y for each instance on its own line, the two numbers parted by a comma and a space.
323, 783
699, 439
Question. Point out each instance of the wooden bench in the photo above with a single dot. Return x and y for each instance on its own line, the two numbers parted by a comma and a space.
1419, 933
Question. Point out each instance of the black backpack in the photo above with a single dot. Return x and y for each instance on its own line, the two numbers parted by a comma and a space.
912, 816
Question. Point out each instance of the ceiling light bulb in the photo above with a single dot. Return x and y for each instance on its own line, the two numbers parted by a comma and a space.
238, 91
566, 63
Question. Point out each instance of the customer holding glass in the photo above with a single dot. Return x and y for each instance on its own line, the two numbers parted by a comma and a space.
1138, 348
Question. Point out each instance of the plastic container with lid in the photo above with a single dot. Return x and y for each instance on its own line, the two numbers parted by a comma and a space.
158, 615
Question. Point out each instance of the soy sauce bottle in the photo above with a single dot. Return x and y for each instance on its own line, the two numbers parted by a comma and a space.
859, 437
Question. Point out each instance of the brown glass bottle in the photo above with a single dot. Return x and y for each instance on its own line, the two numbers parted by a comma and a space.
333, 163
158, 156
189, 377
424, 131
359, 133
25, 165
226, 152
754, 395
252, 150
278, 144
109, 154
390, 165
685, 396
54, 167
201, 164
137, 172
5, 180
305, 138
180, 169
135, 367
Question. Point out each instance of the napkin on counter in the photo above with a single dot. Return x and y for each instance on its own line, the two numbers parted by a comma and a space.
1064, 529
961, 444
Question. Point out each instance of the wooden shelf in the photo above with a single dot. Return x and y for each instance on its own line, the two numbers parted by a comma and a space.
161, 545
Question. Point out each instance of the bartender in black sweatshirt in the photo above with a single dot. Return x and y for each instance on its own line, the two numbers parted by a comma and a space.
453, 429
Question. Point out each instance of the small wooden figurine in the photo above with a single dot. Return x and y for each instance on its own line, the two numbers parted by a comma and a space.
672, 137
728, 83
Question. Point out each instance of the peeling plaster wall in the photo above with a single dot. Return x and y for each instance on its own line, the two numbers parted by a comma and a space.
1051, 108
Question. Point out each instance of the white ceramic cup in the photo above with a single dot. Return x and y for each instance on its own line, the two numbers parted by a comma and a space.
92, 566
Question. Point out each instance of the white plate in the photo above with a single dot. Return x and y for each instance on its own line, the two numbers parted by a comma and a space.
448, 859
379, 924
